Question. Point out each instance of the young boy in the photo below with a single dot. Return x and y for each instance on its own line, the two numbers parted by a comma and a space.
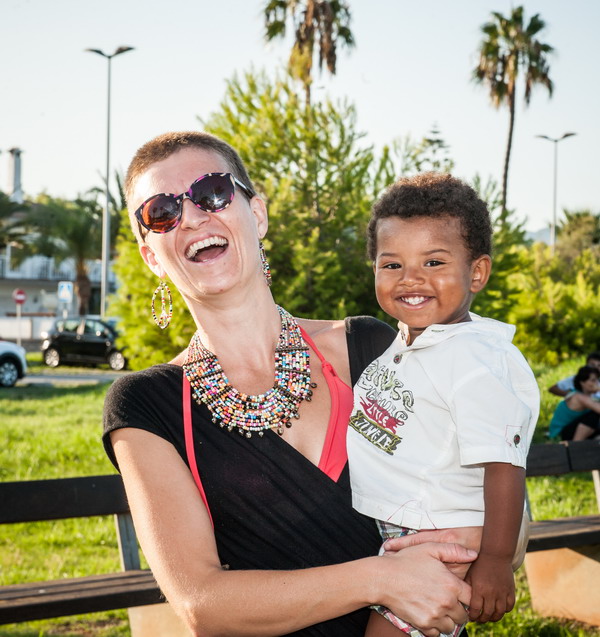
443, 420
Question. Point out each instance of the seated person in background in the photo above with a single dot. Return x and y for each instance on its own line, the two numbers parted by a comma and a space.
577, 417
565, 386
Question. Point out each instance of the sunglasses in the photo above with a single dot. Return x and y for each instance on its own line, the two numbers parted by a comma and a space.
212, 192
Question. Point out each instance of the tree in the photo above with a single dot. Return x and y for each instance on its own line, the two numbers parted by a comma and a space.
509, 50
579, 231
64, 229
11, 214
146, 343
324, 22
318, 180
500, 294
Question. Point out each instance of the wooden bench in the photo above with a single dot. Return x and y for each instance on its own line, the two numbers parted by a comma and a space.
554, 459
563, 555
40, 500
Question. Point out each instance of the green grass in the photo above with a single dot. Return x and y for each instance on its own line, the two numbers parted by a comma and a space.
52, 432
55, 432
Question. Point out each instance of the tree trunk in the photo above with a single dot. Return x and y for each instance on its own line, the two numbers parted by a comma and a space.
84, 292
511, 102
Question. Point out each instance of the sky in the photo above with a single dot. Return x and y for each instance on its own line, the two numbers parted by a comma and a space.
410, 70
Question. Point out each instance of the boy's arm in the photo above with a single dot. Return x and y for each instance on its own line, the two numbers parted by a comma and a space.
491, 575
557, 391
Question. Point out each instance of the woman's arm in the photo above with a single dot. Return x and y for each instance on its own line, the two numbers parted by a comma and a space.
177, 538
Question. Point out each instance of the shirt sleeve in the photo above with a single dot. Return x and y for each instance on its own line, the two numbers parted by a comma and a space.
495, 407
147, 400
566, 384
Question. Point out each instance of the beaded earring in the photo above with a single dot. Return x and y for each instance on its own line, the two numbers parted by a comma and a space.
265, 264
165, 314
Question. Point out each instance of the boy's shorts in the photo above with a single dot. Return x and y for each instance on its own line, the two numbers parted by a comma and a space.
388, 531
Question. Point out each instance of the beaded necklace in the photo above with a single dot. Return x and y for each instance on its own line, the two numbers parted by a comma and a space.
247, 413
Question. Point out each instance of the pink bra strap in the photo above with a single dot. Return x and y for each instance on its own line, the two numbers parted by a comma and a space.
189, 440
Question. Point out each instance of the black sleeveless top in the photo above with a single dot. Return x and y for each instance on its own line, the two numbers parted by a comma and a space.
272, 508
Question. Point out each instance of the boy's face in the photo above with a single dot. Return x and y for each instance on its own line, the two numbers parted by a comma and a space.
424, 273
593, 362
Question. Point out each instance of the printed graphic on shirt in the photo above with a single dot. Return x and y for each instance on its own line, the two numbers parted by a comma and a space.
384, 406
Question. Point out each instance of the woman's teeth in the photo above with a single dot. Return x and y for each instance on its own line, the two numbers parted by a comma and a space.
205, 243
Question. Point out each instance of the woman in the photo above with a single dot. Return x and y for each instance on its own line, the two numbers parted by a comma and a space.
245, 520
577, 416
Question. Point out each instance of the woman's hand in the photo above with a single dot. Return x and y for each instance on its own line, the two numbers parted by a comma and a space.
417, 586
468, 537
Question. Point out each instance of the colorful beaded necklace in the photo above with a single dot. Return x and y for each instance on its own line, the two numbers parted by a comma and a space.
272, 410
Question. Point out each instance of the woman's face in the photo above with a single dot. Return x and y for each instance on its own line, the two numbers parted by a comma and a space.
208, 252
591, 385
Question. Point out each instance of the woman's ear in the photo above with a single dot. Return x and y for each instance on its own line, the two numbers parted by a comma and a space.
151, 260
259, 210
481, 268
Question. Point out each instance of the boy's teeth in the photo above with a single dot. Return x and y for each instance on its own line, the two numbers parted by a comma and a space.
413, 300
206, 243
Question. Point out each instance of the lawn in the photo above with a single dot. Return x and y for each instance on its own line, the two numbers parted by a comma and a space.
55, 432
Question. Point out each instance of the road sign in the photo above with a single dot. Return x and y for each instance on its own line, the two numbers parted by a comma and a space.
19, 296
65, 292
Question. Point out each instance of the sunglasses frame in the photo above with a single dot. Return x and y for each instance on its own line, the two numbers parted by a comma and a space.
179, 199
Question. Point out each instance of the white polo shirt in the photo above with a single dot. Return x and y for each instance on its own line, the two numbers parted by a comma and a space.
427, 417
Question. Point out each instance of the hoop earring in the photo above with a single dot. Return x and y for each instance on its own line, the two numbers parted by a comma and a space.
265, 264
165, 315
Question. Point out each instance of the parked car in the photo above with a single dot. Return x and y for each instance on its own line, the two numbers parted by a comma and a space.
82, 339
13, 364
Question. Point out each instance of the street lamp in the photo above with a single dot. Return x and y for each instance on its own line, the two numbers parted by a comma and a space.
106, 215
555, 140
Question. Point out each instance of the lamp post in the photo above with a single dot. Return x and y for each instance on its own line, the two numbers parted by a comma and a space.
555, 140
106, 215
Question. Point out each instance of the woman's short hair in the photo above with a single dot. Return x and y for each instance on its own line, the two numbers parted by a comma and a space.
584, 373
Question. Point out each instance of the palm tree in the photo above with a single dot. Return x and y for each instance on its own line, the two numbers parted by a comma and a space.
64, 229
10, 214
324, 22
510, 49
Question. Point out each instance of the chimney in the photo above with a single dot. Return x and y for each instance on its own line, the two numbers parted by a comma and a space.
15, 177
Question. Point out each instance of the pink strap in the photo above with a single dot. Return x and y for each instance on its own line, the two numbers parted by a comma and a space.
334, 455
189, 441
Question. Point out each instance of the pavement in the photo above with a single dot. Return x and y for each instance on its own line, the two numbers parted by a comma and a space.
65, 377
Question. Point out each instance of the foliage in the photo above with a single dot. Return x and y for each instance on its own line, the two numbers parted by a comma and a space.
11, 213
325, 23
500, 294
431, 153
578, 231
510, 49
558, 305
318, 182
146, 343
64, 229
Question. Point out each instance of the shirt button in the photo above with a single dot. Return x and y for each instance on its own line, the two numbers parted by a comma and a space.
397, 358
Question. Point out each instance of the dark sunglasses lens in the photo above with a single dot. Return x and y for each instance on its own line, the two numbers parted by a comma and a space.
212, 193
161, 214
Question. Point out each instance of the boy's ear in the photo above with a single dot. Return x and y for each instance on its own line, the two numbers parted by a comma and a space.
481, 269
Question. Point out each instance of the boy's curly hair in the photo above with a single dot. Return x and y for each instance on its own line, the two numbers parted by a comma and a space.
435, 195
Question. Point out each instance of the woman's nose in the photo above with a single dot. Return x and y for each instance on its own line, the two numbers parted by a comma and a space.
191, 215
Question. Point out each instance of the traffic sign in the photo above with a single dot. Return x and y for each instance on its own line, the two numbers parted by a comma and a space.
19, 296
65, 292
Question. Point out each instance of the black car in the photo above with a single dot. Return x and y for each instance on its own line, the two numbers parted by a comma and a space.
82, 339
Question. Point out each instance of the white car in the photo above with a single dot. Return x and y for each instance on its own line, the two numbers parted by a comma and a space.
13, 364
